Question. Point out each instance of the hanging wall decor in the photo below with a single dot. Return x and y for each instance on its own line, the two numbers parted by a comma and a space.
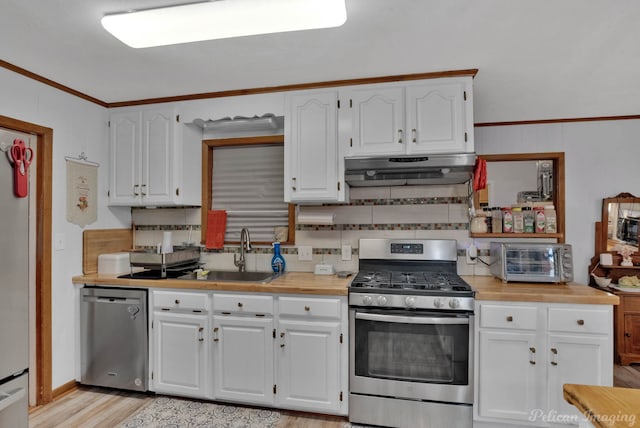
82, 187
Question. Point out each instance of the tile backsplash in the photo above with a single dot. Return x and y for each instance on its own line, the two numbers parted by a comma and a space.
409, 212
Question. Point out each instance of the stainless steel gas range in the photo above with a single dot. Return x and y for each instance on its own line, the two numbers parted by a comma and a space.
411, 336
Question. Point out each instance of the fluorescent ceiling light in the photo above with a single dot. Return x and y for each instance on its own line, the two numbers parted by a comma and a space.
222, 19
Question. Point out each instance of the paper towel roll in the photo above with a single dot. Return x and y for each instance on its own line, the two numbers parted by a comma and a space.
167, 243
315, 216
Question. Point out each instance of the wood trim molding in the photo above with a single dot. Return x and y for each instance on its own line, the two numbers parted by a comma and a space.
64, 389
544, 121
41, 79
44, 172
300, 86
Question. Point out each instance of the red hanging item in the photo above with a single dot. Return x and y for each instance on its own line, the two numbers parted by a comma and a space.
21, 157
480, 175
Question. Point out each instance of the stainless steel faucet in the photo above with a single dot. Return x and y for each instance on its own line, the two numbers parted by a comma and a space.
245, 247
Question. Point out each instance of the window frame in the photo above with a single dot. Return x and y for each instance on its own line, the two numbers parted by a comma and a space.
208, 147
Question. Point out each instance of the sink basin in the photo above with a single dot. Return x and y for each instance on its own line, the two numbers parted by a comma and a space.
221, 275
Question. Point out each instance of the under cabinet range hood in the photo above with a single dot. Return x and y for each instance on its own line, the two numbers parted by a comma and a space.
445, 168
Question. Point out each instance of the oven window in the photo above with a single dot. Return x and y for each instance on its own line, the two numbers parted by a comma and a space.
436, 353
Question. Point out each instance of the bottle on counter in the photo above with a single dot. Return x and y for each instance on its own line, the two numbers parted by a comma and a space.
529, 220
496, 220
550, 218
277, 261
487, 213
540, 219
507, 220
518, 220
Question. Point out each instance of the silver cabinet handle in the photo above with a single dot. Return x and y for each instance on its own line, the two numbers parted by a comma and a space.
293, 184
143, 186
200, 338
400, 133
554, 356
532, 357
414, 135
282, 339
215, 335
135, 192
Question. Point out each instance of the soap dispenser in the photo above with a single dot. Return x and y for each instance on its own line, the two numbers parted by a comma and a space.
277, 261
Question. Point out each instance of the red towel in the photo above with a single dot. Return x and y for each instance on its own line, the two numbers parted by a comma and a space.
480, 175
216, 228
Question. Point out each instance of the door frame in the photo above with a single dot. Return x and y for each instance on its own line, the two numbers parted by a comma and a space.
44, 172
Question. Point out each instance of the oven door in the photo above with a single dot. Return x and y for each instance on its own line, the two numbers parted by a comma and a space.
418, 355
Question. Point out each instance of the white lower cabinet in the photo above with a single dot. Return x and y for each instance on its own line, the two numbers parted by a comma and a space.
309, 359
265, 349
526, 352
242, 356
180, 354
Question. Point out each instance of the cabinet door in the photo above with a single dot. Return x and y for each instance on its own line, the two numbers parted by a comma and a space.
158, 142
243, 359
180, 354
436, 118
312, 170
377, 121
582, 359
508, 370
125, 150
632, 334
309, 365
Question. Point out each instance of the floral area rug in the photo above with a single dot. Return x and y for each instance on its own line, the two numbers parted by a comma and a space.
169, 412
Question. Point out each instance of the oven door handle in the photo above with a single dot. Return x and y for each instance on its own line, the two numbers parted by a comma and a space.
410, 319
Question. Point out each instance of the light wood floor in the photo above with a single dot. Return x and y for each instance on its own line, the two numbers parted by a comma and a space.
90, 407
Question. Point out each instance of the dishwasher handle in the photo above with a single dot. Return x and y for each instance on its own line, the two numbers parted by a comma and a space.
115, 300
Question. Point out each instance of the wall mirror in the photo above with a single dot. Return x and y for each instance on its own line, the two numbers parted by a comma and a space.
524, 178
620, 218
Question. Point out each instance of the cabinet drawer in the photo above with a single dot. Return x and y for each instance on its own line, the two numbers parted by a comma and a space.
508, 316
580, 320
630, 303
239, 303
180, 300
304, 306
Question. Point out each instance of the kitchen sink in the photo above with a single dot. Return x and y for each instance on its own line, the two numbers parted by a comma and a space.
221, 275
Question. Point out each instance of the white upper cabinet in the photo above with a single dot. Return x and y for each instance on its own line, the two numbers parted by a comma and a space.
375, 120
418, 117
313, 171
154, 159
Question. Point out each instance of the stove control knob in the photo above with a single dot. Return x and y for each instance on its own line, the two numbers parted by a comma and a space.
410, 302
454, 303
367, 300
382, 300
438, 302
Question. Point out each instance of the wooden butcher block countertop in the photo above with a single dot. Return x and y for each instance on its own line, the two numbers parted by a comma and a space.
491, 288
605, 406
289, 282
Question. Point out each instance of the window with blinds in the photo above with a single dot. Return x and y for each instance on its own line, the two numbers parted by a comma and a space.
248, 183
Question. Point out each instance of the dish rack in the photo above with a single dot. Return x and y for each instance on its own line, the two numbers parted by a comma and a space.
181, 259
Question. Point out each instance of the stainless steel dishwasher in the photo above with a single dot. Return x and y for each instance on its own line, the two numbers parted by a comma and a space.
114, 337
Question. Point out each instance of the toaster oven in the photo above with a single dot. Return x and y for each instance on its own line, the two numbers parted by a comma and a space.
531, 262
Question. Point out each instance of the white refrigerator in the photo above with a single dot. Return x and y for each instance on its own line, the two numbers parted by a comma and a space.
14, 301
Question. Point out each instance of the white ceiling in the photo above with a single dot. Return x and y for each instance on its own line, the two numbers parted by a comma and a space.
537, 59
